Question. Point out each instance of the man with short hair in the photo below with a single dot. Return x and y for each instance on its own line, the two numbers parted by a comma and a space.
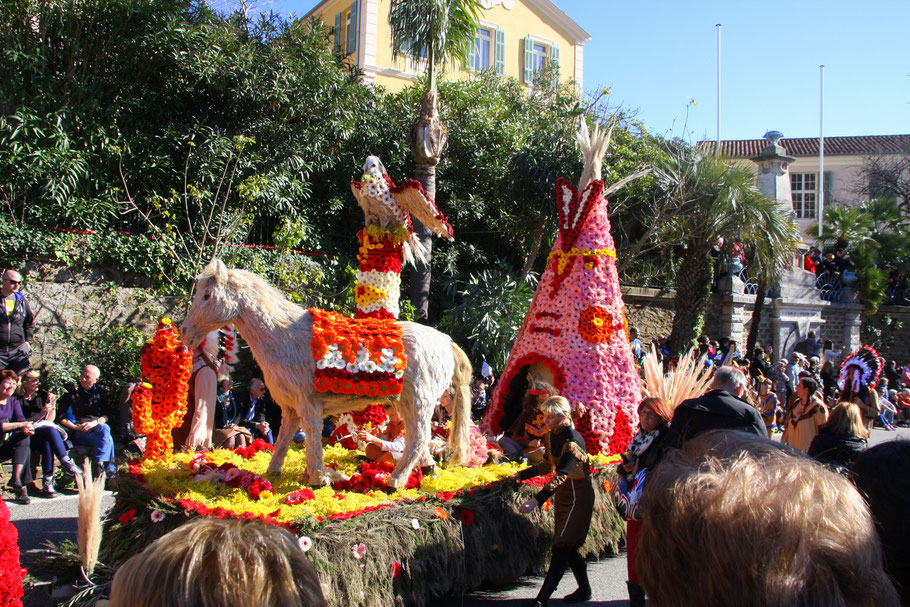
254, 408
721, 408
83, 414
16, 324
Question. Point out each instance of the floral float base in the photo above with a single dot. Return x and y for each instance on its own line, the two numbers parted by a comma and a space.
454, 530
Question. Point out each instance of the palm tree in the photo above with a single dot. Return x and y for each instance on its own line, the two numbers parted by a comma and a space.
714, 200
846, 226
435, 30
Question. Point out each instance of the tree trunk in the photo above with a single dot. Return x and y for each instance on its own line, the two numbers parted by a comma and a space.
428, 138
693, 288
532, 256
756, 316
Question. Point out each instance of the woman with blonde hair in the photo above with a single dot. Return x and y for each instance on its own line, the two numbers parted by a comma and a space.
573, 497
841, 439
808, 414
39, 407
211, 562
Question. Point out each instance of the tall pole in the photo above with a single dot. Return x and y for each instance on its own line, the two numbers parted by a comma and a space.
717, 147
821, 151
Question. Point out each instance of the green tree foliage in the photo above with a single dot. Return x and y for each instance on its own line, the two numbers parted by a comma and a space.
148, 100
877, 237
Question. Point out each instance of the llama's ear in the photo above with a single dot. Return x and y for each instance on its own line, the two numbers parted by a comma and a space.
217, 269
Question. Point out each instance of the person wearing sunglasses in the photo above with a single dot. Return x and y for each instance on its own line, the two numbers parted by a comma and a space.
16, 324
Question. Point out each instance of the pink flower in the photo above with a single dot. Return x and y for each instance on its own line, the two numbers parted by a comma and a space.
359, 551
157, 516
305, 543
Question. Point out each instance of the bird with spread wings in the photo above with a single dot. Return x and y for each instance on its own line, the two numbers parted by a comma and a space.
391, 206
387, 240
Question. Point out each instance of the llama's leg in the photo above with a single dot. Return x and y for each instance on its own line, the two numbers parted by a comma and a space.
289, 423
312, 426
416, 437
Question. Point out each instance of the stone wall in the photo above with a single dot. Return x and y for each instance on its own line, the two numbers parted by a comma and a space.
68, 306
650, 310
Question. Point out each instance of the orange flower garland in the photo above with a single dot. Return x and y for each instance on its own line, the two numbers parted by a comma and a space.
362, 356
160, 403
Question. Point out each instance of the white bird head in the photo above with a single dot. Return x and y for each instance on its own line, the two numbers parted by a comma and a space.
373, 168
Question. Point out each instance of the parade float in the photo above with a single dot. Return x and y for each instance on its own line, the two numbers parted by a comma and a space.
380, 534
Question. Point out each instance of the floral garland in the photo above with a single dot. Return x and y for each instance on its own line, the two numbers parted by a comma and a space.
505, 383
11, 573
357, 356
380, 255
256, 486
173, 483
160, 402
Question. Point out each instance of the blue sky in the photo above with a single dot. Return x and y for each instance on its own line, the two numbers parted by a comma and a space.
656, 55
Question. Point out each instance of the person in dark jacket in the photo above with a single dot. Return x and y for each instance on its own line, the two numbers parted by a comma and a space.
257, 411
841, 439
573, 497
16, 324
723, 408
83, 412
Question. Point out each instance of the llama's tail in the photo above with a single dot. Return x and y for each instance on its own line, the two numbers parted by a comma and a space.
460, 433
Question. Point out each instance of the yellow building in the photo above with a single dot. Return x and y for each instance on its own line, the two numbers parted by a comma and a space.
515, 38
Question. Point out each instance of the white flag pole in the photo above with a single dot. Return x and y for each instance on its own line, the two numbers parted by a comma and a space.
821, 152
717, 148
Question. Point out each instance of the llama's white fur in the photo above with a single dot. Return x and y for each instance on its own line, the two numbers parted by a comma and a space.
279, 334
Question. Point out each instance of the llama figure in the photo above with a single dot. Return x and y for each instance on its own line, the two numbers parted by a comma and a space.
574, 333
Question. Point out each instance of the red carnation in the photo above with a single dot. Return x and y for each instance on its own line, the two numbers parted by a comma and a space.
466, 517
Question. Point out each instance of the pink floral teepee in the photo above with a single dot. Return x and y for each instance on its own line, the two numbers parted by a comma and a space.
575, 333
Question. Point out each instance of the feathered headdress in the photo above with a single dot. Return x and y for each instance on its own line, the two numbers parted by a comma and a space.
221, 347
868, 366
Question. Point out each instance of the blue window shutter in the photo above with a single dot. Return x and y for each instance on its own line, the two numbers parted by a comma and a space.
338, 31
529, 61
352, 31
500, 54
554, 56
472, 54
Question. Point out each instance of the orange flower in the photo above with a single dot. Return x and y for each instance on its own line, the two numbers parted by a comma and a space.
440, 513
596, 325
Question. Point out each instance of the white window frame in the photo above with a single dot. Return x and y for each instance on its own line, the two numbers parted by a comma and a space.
485, 35
804, 198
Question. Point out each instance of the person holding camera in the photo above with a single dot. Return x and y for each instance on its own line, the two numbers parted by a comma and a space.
644, 452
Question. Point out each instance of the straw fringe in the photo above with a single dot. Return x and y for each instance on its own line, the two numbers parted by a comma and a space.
689, 380
88, 525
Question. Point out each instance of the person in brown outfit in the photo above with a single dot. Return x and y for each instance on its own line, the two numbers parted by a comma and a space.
573, 495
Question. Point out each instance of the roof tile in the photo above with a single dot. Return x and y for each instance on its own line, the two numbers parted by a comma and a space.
808, 146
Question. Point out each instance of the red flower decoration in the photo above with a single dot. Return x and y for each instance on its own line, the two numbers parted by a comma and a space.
127, 516
11, 573
396, 569
466, 517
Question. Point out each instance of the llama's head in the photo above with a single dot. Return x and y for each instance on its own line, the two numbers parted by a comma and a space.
214, 304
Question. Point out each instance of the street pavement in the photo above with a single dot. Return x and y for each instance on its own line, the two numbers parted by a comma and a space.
55, 520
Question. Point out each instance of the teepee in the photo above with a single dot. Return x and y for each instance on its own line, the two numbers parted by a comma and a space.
574, 334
